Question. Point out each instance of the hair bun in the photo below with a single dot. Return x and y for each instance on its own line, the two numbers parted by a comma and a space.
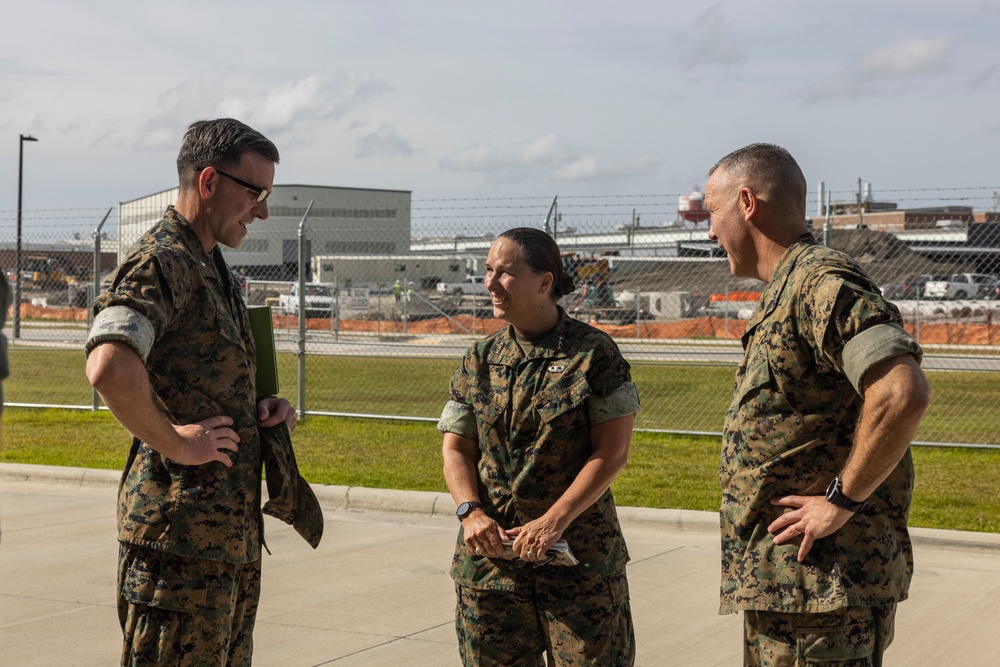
565, 285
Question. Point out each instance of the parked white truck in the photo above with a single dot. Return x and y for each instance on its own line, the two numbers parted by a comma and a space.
963, 286
473, 285
319, 300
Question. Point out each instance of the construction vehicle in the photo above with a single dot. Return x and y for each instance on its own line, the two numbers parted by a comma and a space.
595, 299
593, 277
46, 272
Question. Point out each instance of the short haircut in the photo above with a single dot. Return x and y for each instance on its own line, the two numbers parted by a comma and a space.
771, 170
218, 143
539, 251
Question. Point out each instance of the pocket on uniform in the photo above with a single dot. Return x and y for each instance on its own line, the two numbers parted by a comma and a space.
757, 377
619, 590
561, 396
489, 409
835, 644
164, 581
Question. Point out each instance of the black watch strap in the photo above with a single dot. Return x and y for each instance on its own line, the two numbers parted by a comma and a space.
465, 509
835, 496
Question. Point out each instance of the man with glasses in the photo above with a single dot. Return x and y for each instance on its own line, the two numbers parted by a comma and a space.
172, 355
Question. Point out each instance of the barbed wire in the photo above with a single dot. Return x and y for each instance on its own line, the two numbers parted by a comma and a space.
584, 207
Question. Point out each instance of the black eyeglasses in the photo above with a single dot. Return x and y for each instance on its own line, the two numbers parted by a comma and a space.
261, 193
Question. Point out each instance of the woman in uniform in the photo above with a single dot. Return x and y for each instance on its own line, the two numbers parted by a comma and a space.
537, 426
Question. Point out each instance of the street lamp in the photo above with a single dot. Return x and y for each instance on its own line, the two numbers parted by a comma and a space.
17, 278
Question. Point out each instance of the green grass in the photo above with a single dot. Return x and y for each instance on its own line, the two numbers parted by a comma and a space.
956, 488
675, 397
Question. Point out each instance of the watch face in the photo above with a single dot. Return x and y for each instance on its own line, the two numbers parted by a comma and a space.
835, 496
465, 508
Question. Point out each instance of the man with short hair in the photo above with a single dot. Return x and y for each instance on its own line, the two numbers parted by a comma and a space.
172, 355
815, 469
5, 300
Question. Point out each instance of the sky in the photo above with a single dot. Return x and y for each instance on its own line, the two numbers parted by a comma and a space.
494, 101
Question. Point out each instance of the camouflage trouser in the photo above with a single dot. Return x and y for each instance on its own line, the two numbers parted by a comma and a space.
183, 611
585, 624
850, 637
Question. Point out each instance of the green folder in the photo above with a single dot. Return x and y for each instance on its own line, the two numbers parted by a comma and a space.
267, 358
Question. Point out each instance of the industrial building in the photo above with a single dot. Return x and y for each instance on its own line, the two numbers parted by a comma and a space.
341, 221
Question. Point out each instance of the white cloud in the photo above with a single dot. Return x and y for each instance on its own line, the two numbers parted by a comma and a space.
583, 169
906, 58
547, 157
901, 60
545, 150
386, 141
710, 41
290, 110
589, 169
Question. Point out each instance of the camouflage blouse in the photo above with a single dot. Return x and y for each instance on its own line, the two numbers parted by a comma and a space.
177, 307
530, 411
819, 325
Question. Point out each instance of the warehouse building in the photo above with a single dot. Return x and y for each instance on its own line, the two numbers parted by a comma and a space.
342, 221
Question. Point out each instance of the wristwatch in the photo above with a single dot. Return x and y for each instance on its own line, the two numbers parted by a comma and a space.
835, 496
465, 509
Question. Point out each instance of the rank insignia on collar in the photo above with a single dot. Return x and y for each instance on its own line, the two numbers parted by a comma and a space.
556, 369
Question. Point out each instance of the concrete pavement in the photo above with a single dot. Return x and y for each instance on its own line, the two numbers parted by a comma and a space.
377, 590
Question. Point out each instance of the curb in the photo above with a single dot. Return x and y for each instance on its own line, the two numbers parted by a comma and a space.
435, 504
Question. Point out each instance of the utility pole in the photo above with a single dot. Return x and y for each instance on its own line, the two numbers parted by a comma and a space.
861, 208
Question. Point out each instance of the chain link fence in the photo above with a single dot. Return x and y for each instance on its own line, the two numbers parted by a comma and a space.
392, 295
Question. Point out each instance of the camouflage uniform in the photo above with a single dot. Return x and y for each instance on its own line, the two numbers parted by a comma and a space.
178, 308
529, 406
819, 325
5, 300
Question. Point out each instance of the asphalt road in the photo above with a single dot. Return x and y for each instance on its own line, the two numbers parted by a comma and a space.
70, 335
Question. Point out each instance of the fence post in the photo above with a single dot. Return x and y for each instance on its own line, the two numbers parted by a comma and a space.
638, 314
726, 310
95, 400
407, 292
302, 312
826, 222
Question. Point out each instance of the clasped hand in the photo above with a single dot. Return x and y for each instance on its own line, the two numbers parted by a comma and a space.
484, 536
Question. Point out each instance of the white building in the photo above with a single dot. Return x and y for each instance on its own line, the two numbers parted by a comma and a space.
342, 221
423, 271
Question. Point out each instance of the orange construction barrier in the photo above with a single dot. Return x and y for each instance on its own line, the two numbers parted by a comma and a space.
734, 296
29, 311
940, 333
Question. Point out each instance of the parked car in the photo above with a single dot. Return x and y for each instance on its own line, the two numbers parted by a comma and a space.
911, 288
472, 285
917, 284
963, 286
319, 300
894, 291
990, 289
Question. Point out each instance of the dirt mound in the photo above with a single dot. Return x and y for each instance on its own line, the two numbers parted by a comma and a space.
881, 254
885, 257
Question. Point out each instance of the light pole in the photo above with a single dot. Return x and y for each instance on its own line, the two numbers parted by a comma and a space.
17, 278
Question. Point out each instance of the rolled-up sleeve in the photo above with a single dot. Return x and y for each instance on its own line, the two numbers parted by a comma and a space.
875, 344
124, 324
622, 401
458, 418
